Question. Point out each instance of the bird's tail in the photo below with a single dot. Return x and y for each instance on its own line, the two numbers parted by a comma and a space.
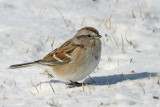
23, 65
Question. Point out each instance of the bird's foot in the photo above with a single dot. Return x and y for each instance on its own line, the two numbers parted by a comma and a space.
76, 84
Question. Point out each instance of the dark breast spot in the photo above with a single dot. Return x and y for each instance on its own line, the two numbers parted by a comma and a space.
96, 57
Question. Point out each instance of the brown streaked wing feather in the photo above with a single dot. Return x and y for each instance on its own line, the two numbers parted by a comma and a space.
67, 48
50, 60
61, 53
50, 55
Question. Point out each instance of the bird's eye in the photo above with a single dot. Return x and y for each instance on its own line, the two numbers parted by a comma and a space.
89, 35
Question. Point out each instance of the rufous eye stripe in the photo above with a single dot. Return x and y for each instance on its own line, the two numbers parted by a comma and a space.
81, 36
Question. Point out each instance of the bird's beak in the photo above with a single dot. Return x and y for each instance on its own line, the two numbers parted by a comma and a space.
97, 37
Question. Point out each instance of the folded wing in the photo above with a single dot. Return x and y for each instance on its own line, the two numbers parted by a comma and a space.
61, 55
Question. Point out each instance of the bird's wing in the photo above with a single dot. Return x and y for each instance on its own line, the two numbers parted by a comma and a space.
61, 55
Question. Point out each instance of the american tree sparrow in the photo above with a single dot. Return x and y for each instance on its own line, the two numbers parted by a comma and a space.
75, 59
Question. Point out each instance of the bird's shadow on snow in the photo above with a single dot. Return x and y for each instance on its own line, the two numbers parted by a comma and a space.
113, 79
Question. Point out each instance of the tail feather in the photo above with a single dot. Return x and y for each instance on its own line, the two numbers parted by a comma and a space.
23, 65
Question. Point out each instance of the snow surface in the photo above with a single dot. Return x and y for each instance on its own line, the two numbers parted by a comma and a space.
123, 78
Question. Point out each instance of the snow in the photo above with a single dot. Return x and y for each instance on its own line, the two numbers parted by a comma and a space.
25, 23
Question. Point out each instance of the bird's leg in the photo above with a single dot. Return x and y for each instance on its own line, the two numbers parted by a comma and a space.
75, 84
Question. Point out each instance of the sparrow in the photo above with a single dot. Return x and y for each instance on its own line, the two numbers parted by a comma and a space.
73, 60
